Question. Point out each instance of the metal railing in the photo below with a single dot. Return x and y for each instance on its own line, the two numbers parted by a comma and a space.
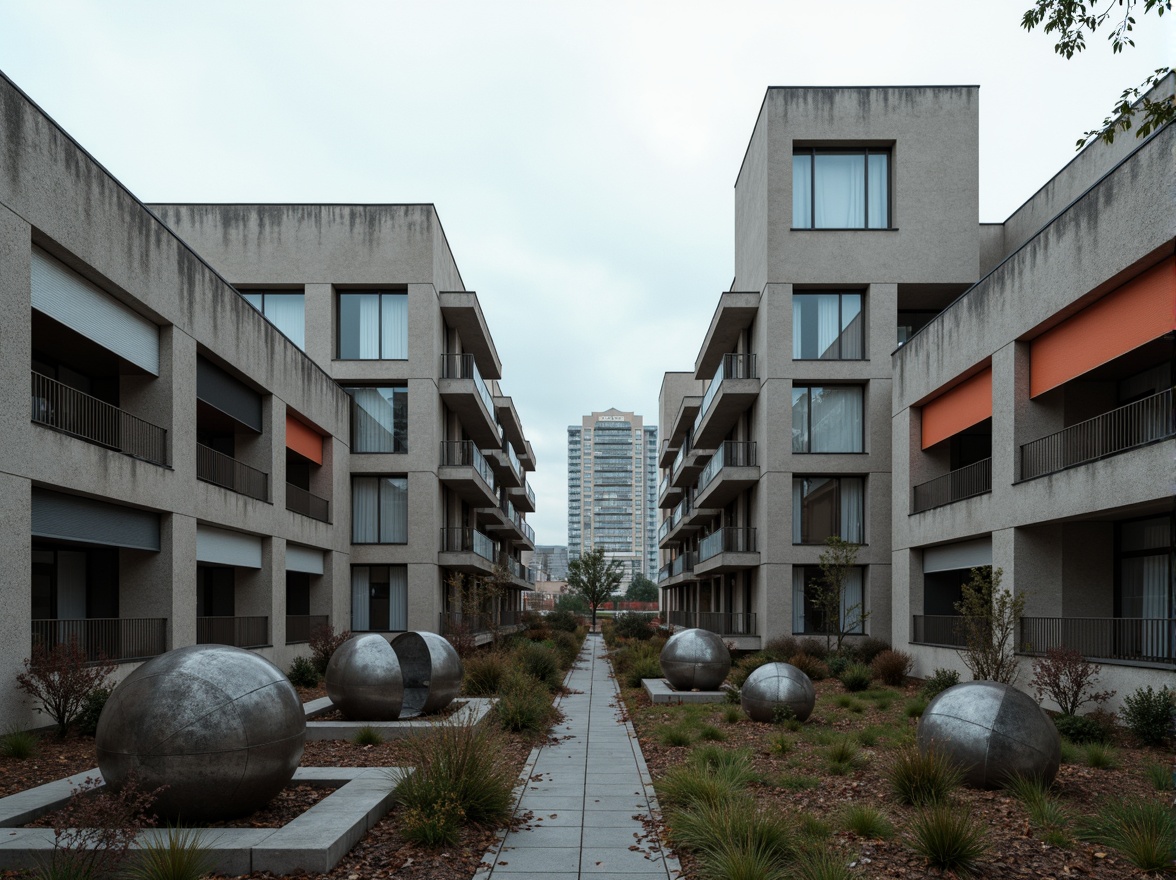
307, 504
463, 366
680, 510
300, 626
683, 563
515, 464
733, 366
1127, 639
464, 453
225, 471
663, 485
727, 540
62, 408
663, 529
529, 491
678, 459
467, 540
117, 639
944, 630
725, 623
966, 482
240, 632
1136, 424
731, 453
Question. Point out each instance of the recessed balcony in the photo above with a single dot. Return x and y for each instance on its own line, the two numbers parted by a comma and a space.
117, 640
677, 571
727, 549
228, 473
299, 627
467, 550
958, 485
240, 632
1128, 640
723, 623
733, 469
733, 389
465, 470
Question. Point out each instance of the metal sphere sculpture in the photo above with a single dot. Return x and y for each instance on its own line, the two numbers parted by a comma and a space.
364, 680
431, 670
222, 728
778, 687
992, 731
695, 659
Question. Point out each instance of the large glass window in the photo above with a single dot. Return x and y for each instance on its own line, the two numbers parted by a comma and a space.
841, 189
827, 418
286, 310
379, 419
826, 506
827, 326
808, 614
379, 598
379, 510
373, 325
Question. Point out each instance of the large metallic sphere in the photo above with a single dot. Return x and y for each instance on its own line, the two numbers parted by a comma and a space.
774, 687
695, 659
992, 731
364, 679
431, 670
220, 727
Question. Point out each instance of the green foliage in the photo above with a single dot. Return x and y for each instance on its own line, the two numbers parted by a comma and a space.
1143, 831
18, 744
484, 672
734, 839
711, 733
837, 560
61, 678
180, 855
643, 668
1079, 728
732, 714
813, 828
523, 705
797, 781
915, 707
940, 680
594, 578
570, 603
780, 743
779, 648
856, 677
368, 736
675, 735
303, 673
867, 821
745, 666
541, 662
821, 863
990, 618
641, 589
1101, 756
91, 711
837, 664
634, 625
1045, 812
1160, 777
868, 736
1071, 754
892, 667
1148, 713
921, 779
811, 666
437, 824
562, 620
948, 838
842, 756
567, 647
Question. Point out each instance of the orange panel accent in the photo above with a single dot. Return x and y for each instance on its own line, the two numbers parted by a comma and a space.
304, 440
1141, 310
969, 403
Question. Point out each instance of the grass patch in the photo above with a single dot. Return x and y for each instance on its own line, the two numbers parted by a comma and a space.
948, 838
524, 705
813, 828
915, 707
821, 863
711, 733
868, 736
866, 821
922, 779
797, 782
1159, 776
732, 714
368, 736
780, 743
1071, 754
180, 855
18, 744
1100, 756
1145, 833
675, 735
735, 835
1046, 813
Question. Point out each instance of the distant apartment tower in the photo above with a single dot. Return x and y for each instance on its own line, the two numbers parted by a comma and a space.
612, 489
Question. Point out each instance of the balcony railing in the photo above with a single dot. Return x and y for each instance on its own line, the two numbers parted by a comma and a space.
303, 502
240, 632
966, 482
1125, 639
463, 453
515, 464
663, 529
663, 485
76, 413
118, 639
466, 540
225, 471
680, 510
734, 366
732, 453
678, 459
725, 623
530, 492
944, 630
300, 626
1136, 424
462, 366
726, 540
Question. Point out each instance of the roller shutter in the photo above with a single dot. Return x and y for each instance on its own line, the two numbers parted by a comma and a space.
73, 518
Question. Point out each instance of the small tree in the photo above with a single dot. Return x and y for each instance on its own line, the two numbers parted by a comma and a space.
990, 616
1066, 676
60, 678
641, 589
838, 620
594, 578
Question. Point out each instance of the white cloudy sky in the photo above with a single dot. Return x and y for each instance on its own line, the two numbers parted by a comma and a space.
581, 155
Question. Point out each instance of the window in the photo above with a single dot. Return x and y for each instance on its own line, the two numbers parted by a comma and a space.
373, 326
379, 510
807, 615
1144, 551
286, 310
379, 598
841, 189
827, 418
826, 506
379, 419
827, 326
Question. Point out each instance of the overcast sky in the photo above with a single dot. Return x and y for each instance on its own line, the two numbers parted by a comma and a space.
582, 157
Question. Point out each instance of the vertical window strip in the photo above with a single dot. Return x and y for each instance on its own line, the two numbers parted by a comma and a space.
360, 598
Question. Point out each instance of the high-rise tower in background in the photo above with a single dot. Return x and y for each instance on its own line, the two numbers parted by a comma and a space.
612, 489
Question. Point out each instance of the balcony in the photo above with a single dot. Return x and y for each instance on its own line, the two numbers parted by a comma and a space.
463, 312
300, 626
1137, 424
76, 413
468, 550
667, 493
725, 623
119, 639
228, 473
300, 501
523, 496
734, 313
732, 469
1128, 640
676, 569
466, 393
727, 549
733, 389
240, 632
520, 572
465, 470
966, 482
938, 630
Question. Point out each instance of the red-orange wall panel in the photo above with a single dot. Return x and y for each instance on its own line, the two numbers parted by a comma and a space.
969, 403
1141, 310
303, 440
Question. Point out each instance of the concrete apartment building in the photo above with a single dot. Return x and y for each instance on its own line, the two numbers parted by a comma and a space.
612, 478
187, 473
856, 234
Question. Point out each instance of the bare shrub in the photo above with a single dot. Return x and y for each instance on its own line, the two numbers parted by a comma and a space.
1068, 679
61, 678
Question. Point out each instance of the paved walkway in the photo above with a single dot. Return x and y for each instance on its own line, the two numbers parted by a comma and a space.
585, 796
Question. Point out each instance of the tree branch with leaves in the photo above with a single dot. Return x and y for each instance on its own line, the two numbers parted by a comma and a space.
990, 616
594, 578
838, 620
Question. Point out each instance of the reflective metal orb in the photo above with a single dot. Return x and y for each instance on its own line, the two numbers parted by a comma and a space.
774, 687
992, 731
222, 728
431, 670
695, 659
364, 680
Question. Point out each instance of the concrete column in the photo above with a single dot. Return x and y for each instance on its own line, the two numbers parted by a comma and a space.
16, 589
320, 323
1004, 416
177, 565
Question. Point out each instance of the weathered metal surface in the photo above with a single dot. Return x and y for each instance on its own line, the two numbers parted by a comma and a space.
695, 659
364, 679
431, 671
776, 688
